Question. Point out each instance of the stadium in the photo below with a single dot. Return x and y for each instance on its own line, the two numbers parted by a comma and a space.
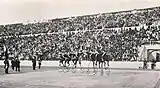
74, 49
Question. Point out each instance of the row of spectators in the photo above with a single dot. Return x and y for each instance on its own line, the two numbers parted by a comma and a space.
88, 22
121, 44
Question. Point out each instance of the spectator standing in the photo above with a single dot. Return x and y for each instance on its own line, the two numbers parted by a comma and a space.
145, 65
153, 65
34, 63
13, 63
17, 64
6, 65
39, 63
6, 62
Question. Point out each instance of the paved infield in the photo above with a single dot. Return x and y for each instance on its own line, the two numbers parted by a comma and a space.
49, 77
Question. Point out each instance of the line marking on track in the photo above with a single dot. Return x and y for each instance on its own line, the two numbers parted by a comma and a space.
157, 84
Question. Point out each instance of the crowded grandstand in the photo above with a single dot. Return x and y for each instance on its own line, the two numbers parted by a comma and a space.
119, 34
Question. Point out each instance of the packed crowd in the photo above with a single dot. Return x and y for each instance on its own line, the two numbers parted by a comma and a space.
122, 44
91, 33
89, 22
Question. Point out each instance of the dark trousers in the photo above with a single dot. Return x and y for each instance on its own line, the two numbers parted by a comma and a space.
39, 65
18, 68
34, 67
153, 66
13, 67
6, 70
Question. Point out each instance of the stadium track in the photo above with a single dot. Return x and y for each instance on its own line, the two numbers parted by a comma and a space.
27, 69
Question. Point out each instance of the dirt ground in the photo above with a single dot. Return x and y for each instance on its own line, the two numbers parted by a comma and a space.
49, 77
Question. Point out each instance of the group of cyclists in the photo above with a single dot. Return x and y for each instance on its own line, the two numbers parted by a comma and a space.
100, 58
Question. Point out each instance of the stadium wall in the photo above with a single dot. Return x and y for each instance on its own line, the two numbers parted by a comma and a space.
113, 64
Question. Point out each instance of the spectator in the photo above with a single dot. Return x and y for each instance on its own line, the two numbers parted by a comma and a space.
13, 64
34, 63
39, 63
17, 64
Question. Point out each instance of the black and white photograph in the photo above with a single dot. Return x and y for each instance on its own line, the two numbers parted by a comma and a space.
80, 44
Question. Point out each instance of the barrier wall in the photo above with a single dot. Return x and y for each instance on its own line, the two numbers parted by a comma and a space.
113, 64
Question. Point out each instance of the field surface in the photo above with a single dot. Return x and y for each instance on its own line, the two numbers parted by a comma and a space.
50, 77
